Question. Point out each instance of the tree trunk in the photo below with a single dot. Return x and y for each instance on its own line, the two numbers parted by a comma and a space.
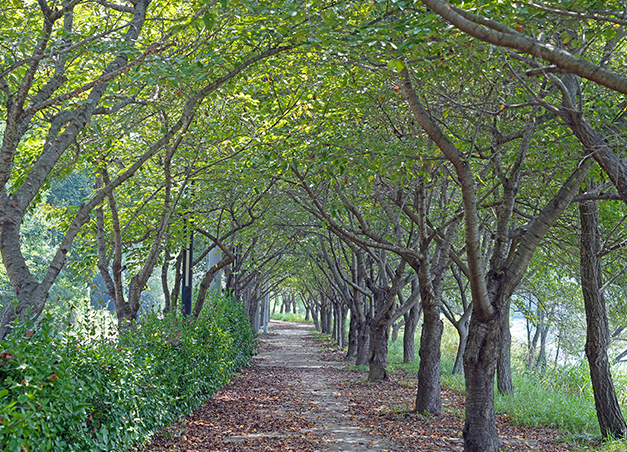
207, 279
533, 342
395, 329
324, 315
353, 333
541, 362
164, 279
462, 331
178, 277
363, 342
341, 343
504, 381
329, 317
480, 358
411, 322
428, 399
335, 322
611, 420
316, 318
378, 353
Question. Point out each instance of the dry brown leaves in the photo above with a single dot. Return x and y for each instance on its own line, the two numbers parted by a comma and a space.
260, 410
265, 409
385, 409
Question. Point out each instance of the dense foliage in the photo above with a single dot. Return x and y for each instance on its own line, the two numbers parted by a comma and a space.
81, 390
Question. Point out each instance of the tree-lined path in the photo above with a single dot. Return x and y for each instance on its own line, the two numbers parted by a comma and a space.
296, 397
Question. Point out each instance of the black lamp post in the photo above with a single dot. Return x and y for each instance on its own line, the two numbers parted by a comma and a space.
188, 258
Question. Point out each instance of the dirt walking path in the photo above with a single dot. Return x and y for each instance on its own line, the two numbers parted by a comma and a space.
297, 398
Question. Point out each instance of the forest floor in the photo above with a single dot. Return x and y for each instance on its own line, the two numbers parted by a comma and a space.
299, 396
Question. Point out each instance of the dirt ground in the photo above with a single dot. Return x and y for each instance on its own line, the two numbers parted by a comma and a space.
299, 397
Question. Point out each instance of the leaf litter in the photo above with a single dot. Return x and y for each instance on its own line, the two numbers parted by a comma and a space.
324, 406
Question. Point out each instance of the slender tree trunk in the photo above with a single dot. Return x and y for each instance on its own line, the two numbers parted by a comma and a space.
462, 331
329, 317
363, 342
164, 279
206, 282
343, 309
533, 342
409, 343
353, 333
395, 329
324, 314
178, 277
316, 318
541, 362
611, 420
428, 394
504, 381
334, 322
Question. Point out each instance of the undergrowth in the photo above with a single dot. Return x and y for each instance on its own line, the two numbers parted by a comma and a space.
79, 390
559, 397
290, 317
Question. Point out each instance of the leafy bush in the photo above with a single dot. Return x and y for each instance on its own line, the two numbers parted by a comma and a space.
82, 391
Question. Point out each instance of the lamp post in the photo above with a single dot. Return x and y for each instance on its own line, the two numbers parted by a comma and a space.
188, 258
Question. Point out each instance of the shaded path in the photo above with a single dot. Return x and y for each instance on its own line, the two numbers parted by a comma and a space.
290, 347
293, 400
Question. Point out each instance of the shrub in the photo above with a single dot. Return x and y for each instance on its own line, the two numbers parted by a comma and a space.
78, 391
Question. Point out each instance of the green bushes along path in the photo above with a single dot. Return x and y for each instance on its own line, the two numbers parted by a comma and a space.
80, 391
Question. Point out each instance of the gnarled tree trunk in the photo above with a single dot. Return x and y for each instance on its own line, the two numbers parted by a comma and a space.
611, 420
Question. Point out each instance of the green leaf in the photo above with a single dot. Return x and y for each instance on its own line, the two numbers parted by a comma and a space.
175, 29
209, 20
223, 3
396, 65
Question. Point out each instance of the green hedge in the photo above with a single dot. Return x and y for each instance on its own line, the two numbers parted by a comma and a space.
76, 391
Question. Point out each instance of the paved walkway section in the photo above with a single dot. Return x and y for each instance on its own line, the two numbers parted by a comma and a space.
288, 346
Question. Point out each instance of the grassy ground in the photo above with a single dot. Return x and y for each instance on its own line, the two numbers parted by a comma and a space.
290, 317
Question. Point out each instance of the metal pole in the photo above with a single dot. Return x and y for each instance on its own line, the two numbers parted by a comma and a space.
186, 289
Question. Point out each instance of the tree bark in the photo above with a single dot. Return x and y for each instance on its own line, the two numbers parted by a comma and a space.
378, 353
208, 278
396, 328
363, 342
491, 291
164, 279
316, 318
480, 357
353, 333
411, 322
611, 420
504, 381
462, 331
428, 399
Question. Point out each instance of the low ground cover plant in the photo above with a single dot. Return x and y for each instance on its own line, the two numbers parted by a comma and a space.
81, 390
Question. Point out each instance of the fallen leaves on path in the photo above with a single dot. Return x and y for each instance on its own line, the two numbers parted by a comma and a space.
262, 409
385, 409
267, 409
